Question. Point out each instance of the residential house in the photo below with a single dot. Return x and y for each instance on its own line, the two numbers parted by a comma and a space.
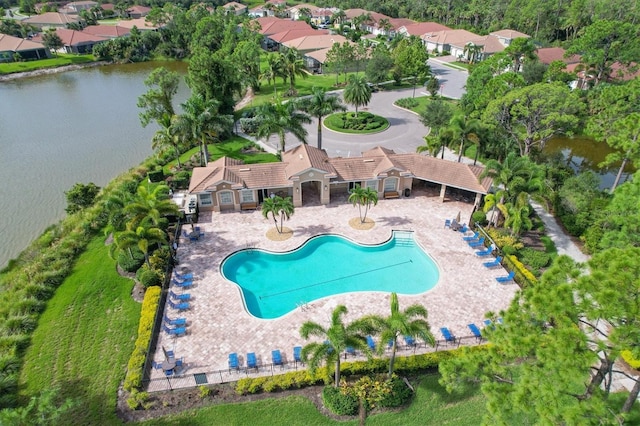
441, 41
314, 42
108, 31
274, 8
137, 12
52, 20
306, 172
141, 23
546, 55
76, 7
271, 25
276, 40
27, 49
235, 8
420, 28
396, 24
506, 36
319, 15
315, 60
488, 45
76, 41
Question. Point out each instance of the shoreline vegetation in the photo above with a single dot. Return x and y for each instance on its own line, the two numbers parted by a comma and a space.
51, 70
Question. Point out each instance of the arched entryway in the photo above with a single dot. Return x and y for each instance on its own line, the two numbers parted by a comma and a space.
311, 193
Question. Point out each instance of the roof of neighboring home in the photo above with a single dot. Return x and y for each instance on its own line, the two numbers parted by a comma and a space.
272, 25
74, 38
110, 31
509, 34
139, 9
354, 13
82, 3
303, 6
315, 42
15, 44
234, 5
108, 6
396, 23
420, 28
449, 37
374, 164
550, 54
140, 23
293, 34
490, 44
54, 18
318, 55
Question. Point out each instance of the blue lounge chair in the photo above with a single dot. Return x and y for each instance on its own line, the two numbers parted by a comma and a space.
252, 362
410, 341
474, 244
448, 337
297, 354
177, 321
350, 351
276, 358
182, 284
476, 331
464, 228
473, 237
199, 231
493, 263
157, 365
168, 373
185, 234
390, 344
183, 277
487, 252
182, 306
506, 278
179, 366
233, 362
371, 343
447, 223
182, 297
178, 331
169, 354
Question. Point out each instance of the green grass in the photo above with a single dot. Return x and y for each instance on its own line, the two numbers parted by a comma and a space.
336, 122
431, 406
84, 338
61, 60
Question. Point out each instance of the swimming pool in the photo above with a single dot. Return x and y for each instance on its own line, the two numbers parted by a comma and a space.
274, 284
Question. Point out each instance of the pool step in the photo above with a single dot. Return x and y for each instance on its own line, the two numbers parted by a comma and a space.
404, 242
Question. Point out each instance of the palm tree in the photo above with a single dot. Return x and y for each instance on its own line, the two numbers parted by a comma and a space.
357, 92
410, 322
436, 115
150, 206
472, 52
517, 214
293, 66
280, 117
143, 237
363, 197
338, 17
465, 129
319, 105
337, 338
278, 206
274, 69
201, 121
166, 136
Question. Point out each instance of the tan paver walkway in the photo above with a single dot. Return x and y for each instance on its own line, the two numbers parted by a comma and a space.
218, 323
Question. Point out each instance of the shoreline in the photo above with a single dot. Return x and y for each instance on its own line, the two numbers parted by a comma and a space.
54, 70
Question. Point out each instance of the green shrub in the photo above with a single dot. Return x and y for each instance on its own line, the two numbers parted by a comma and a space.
156, 175
479, 217
523, 276
339, 403
130, 262
502, 238
149, 277
139, 400
400, 394
536, 259
407, 103
628, 357
292, 380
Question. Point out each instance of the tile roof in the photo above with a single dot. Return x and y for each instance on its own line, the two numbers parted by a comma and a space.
283, 36
490, 44
234, 5
140, 23
420, 28
396, 23
272, 25
53, 18
319, 55
374, 164
139, 9
15, 44
550, 54
449, 37
315, 42
73, 37
509, 34
110, 31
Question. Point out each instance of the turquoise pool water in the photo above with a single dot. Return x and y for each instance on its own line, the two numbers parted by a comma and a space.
274, 284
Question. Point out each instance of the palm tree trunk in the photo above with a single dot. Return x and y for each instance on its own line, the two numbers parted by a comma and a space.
461, 148
336, 374
392, 358
282, 142
619, 175
319, 132
362, 412
631, 399
178, 156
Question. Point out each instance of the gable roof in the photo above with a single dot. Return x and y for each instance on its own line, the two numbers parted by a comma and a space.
75, 38
490, 44
15, 44
449, 37
509, 34
315, 42
138, 9
396, 23
550, 54
283, 36
140, 23
272, 25
53, 18
110, 31
420, 28
304, 157
234, 5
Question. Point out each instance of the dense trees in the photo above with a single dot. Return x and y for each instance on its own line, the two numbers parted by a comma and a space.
158, 100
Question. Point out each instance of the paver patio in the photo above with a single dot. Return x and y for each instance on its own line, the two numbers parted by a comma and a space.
218, 323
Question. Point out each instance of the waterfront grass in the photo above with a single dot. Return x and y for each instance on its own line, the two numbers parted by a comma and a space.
432, 405
84, 338
61, 60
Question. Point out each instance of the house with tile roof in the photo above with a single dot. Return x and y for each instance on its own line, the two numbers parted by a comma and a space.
27, 49
489, 45
76, 41
76, 7
506, 36
141, 23
229, 185
420, 28
314, 42
441, 41
137, 11
235, 8
109, 31
52, 20
546, 55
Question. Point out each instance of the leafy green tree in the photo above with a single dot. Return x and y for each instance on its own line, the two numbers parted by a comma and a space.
246, 56
378, 66
581, 202
166, 136
319, 105
149, 206
433, 86
472, 52
436, 115
214, 76
81, 196
278, 206
532, 115
625, 139
519, 50
158, 100
410, 58
43, 409
465, 130
337, 338
202, 121
273, 70
52, 41
605, 42
363, 197
279, 117
369, 393
357, 92
411, 321
339, 57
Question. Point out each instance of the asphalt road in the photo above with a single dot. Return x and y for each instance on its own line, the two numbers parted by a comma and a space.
405, 132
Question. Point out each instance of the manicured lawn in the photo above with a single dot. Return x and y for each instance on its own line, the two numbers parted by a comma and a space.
62, 59
84, 338
364, 123
431, 406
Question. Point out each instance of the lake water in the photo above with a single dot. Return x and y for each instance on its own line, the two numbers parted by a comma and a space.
56, 130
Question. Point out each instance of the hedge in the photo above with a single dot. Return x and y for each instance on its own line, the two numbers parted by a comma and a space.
133, 380
298, 379
629, 359
523, 275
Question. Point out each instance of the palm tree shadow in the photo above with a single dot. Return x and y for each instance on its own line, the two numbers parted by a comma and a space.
394, 221
313, 230
229, 152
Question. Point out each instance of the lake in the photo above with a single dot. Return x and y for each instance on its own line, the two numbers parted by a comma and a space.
60, 129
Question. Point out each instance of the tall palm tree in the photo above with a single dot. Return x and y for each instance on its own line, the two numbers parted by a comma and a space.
274, 69
357, 92
279, 117
143, 237
472, 52
150, 206
363, 197
336, 340
318, 105
410, 322
202, 122
517, 215
465, 129
293, 66
278, 206
166, 136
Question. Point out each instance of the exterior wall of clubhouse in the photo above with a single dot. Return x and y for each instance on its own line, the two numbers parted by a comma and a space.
230, 185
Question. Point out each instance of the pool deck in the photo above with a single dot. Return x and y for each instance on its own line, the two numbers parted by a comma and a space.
218, 323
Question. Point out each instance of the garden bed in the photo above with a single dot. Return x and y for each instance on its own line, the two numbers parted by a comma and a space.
362, 123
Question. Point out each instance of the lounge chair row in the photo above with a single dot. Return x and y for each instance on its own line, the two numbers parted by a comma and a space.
177, 301
476, 241
252, 360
